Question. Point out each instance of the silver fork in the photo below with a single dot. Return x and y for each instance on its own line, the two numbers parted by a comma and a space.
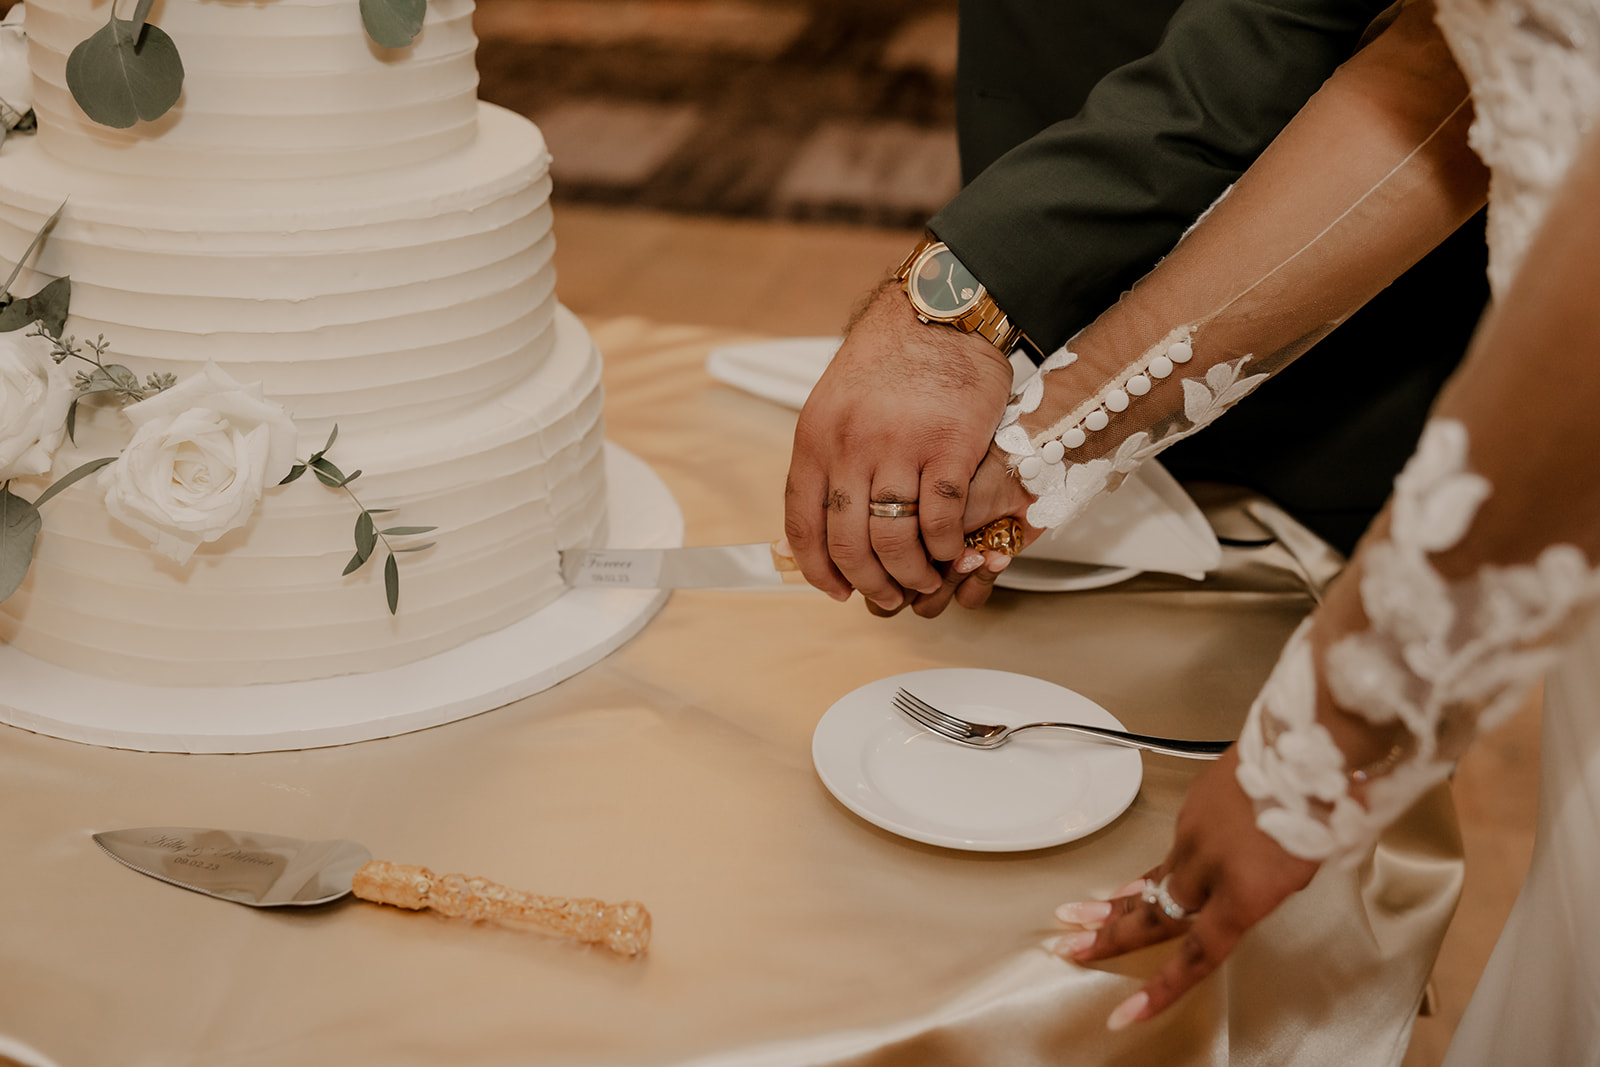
980, 735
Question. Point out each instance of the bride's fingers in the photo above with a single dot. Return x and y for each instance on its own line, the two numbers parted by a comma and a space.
1207, 943
929, 605
974, 592
1131, 921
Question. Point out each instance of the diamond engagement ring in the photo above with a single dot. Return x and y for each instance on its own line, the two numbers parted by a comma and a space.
1157, 893
891, 509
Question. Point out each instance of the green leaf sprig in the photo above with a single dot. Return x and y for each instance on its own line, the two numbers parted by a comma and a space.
47, 307
367, 533
127, 71
20, 523
111, 379
130, 69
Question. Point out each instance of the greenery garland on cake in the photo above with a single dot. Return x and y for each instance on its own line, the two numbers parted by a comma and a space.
130, 69
202, 453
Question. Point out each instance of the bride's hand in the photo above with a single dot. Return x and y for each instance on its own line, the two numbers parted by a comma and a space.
969, 578
1222, 869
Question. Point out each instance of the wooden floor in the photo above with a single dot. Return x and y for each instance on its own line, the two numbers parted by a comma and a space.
785, 279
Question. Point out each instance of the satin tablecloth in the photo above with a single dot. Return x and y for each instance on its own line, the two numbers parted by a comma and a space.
678, 772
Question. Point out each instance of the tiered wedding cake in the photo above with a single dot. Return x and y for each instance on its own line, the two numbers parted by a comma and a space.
350, 227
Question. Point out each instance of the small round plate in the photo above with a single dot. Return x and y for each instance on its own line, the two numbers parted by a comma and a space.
1053, 576
1041, 788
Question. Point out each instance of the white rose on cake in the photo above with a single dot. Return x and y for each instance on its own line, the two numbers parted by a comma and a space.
16, 80
201, 455
35, 393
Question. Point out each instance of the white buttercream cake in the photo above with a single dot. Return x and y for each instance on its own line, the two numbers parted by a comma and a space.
354, 230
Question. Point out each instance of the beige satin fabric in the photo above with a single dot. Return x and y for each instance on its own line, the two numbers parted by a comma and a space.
678, 772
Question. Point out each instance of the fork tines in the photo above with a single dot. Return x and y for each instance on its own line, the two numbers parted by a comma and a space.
926, 715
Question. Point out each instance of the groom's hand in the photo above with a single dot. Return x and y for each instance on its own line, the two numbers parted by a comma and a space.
905, 412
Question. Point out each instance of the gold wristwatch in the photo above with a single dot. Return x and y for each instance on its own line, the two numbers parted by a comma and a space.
942, 290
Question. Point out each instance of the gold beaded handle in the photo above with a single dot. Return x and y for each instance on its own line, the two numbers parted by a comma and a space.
623, 928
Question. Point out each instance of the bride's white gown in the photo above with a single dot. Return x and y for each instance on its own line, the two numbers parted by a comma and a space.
1534, 68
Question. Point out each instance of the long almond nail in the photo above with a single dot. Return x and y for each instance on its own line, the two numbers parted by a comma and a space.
1000, 562
969, 562
1128, 1011
1068, 945
1092, 913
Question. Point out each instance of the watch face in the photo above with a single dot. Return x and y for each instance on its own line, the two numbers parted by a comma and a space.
940, 286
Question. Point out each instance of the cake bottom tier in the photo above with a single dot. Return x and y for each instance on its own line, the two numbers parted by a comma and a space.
507, 484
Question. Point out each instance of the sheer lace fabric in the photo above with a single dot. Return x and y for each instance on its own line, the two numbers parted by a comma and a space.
1260, 281
1443, 659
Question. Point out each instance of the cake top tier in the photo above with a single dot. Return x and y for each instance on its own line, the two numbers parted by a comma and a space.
272, 89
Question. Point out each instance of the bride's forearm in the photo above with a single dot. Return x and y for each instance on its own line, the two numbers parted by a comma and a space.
1480, 570
1372, 174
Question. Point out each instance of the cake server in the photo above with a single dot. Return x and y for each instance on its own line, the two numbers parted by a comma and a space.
268, 871
697, 567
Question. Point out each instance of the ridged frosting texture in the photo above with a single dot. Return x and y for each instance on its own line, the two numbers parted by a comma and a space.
412, 306
281, 88
508, 483
372, 301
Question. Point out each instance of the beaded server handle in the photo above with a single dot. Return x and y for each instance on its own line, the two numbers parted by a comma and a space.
623, 928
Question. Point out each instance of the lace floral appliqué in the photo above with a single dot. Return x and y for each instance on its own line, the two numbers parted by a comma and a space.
1443, 659
1064, 487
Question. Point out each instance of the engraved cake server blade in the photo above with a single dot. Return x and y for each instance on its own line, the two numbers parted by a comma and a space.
694, 567
268, 871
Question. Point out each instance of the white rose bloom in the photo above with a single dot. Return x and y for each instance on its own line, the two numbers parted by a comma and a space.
35, 394
16, 80
202, 453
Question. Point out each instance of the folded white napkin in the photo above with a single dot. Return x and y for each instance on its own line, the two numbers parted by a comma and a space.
1149, 524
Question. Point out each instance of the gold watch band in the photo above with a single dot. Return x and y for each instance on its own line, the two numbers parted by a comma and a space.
984, 318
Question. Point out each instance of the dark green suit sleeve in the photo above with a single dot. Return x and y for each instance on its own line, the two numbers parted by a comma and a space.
1059, 226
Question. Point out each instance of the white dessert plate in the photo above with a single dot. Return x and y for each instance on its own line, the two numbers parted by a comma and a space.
1054, 576
1040, 789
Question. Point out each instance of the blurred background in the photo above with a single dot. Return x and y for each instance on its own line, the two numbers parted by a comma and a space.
814, 110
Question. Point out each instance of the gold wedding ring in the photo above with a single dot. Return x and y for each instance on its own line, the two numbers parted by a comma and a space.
1002, 535
891, 509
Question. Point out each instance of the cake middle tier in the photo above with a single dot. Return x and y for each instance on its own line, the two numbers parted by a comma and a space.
507, 484
370, 302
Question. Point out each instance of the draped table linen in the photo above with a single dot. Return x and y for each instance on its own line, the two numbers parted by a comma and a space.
678, 772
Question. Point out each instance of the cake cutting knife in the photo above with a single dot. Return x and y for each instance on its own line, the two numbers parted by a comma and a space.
696, 567
268, 871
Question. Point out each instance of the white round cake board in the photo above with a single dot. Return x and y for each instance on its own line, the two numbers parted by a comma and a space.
575, 631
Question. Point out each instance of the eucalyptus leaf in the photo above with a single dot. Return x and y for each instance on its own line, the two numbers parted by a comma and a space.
366, 536
355, 563
49, 223
415, 548
27, 123
125, 72
327, 473
294, 472
393, 23
47, 307
19, 529
76, 474
72, 421
403, 531
391, 582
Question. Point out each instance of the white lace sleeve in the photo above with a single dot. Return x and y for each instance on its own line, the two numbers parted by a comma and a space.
1439, 659
1262, 277
1470, 584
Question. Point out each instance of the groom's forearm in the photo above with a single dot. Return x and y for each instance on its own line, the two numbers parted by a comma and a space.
1061, 225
